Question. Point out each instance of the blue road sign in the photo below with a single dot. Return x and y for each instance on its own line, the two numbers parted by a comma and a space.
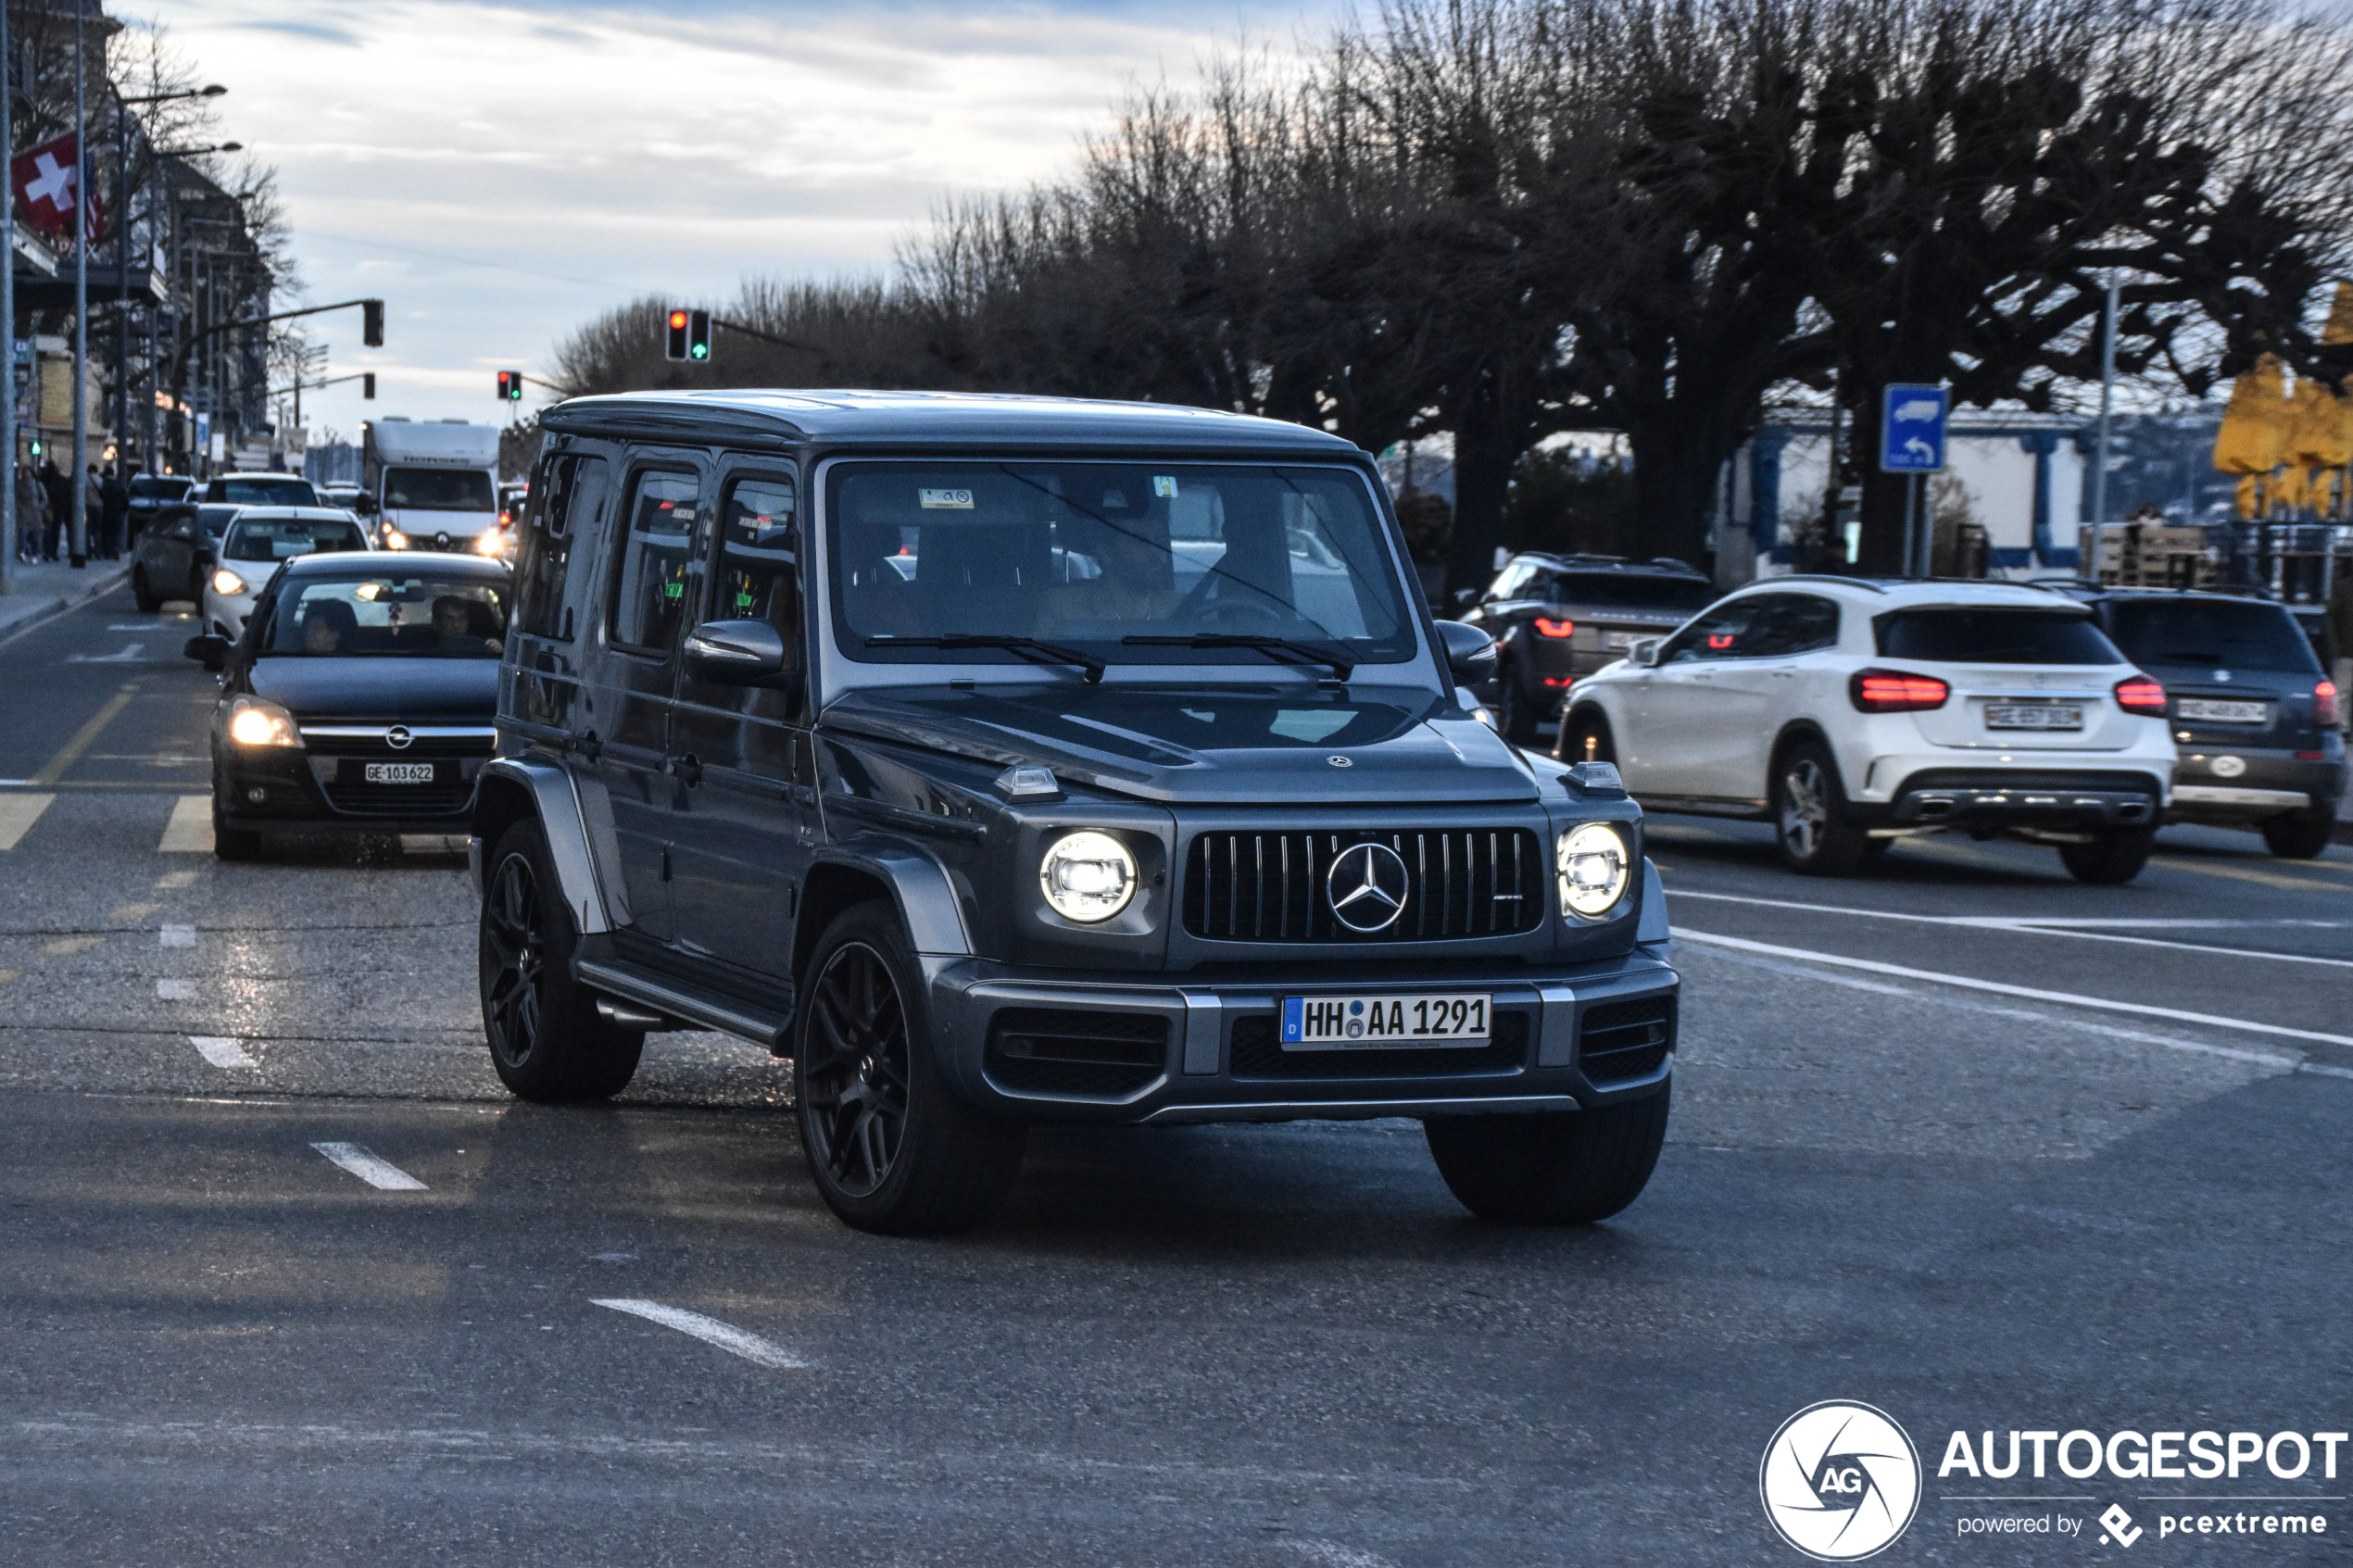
1911, 428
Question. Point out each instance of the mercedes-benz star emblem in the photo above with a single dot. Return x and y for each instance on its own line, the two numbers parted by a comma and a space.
1367, 886
1339, 761
398, 737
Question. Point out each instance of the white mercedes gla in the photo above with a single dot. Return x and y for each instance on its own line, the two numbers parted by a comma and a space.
1852, 713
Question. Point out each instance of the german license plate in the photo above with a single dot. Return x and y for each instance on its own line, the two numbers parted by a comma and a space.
400, 772
2223, 712
2033, 716
1325, 1024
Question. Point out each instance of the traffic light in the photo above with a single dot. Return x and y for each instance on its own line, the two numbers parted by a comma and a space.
511, 386
699, 334
367, 384
677, 348
372, 327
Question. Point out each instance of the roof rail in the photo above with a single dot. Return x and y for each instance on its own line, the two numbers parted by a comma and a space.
1825, 577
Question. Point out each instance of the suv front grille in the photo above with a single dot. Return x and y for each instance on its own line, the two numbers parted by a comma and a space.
1258, 1053
1270, 886
1084, 1055
1618, 1041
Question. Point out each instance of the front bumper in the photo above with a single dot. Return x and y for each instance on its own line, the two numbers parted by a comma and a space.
293, 786
1149, 1050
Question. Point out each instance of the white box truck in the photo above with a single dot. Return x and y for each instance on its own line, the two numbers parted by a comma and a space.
436, 483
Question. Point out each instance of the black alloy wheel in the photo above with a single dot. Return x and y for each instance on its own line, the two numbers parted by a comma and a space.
1809, 814
2301, 835
891, 1147
143, 595
546, 1039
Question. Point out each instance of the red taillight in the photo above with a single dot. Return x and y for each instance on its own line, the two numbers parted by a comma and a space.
2325, 711
2138, 694
1559, 680
506, 520
1893, 691
1548, 628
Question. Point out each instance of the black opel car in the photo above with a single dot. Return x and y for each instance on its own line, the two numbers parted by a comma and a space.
1557, 618
359, 699
1006, 760
2255, 717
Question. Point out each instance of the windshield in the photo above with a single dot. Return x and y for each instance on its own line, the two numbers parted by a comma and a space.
1630, 591
415, 615
215, 517
1994, 637
439, 490
1088, 556
2213, 633
276, 538
268, 492
160, 487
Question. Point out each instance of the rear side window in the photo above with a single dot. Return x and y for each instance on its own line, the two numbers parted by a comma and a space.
650, 589
757, 555
2213, 633
571, 491
1994, 637
1797, 623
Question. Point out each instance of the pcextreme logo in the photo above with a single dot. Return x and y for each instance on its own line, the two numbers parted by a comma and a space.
1840, 1481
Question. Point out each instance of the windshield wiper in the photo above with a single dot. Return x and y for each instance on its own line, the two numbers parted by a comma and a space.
1340, 665
1028, 647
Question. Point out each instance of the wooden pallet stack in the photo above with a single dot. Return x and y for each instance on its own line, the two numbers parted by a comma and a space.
2148, 555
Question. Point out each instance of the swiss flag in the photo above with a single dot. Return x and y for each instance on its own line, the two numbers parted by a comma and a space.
47, 191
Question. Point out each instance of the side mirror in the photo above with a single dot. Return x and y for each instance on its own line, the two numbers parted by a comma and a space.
1470, 653
1463, 599
1644, 654
734, 653
211, 648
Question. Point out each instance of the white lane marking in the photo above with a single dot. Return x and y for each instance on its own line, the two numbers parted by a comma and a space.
176, 990
131, 654
149, 625
174, 880
372, 1169
710, 1331
190, 830
2018, 924
177, 936
221, 1051
1969, 982
2106, 1031
2326, 1070
17, 813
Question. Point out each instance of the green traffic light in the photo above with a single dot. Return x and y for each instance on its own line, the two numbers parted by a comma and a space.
702, 351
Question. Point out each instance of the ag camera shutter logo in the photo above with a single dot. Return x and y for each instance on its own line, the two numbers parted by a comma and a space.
1840, 1481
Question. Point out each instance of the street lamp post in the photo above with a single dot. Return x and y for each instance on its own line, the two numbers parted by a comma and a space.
9, 522
79, 522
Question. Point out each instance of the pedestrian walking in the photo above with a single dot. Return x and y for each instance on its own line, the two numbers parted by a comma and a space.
93, 515
32, 513
2337, 627
114, 506
58, 491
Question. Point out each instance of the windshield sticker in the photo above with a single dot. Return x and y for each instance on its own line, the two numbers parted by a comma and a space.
1163, 484
946, 500
1309, 723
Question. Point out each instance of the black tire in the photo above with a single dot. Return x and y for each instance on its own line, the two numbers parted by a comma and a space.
547, 1041
1576, 728
232, 843
2116, 856
141, 595
2300, 835
1514, 713
1809, 814
1569, 1168
890, 1146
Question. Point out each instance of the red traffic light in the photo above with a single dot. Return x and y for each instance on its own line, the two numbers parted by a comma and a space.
677, 317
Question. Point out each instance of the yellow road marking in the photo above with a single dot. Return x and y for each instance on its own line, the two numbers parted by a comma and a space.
2249, 873
64, 945
128, 912
190, 830
173, 880
83, 738
8, 975
17, 813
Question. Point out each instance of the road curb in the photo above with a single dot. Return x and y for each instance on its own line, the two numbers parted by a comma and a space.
36, 618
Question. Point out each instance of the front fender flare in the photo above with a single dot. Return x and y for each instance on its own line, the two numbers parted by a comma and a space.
562, 817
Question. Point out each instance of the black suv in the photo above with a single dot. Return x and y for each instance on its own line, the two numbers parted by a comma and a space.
1010, 759
1557, 618
2252, 714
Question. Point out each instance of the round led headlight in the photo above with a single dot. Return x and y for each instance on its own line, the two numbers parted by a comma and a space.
1593, 869
1087, 876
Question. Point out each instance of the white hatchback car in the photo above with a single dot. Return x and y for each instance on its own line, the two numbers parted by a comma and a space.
257, 540
1852, 713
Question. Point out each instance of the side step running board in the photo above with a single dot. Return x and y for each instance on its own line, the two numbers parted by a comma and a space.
631, 984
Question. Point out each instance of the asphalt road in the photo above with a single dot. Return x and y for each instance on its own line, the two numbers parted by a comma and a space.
1959, 1137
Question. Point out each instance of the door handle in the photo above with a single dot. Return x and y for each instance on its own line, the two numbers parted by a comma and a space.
688, 768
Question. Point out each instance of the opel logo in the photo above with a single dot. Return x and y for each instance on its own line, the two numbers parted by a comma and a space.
1367, 887
398, 737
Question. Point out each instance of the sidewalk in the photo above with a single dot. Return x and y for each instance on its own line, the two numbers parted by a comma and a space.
51, 585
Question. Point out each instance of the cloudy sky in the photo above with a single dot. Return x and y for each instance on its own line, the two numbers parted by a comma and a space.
499, 173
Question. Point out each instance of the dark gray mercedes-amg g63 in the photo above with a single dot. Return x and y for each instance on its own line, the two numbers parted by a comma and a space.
1006, 760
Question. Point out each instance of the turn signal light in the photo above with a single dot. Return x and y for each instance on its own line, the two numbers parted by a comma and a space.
2138, 694
1549, 628
2325, 711
1896, 690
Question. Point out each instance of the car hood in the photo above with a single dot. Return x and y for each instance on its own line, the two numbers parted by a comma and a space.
383, 687
1292, 746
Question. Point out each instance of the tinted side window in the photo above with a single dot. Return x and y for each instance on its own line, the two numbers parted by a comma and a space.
1797, 623
1730, 631
564, 502
1994, 637
758, 554
649, 585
